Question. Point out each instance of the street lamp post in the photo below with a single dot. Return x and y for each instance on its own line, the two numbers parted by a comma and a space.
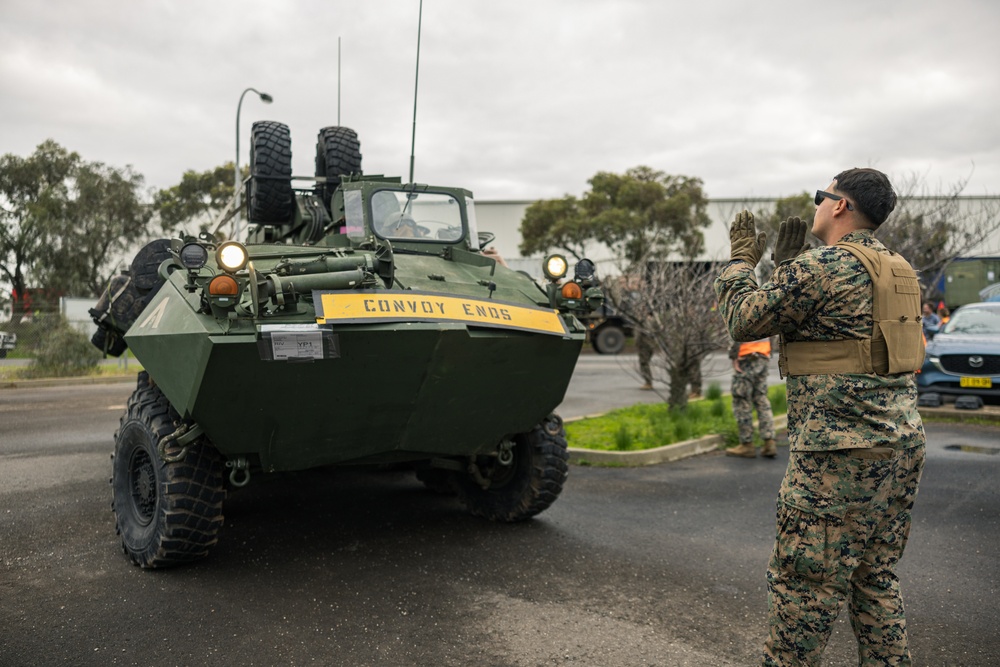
266, 99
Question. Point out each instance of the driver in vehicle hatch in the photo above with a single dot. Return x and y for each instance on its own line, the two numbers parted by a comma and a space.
403, 227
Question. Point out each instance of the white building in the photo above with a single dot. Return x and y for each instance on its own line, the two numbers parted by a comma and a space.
503, 218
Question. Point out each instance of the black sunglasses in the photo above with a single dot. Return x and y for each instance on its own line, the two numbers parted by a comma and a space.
820, 194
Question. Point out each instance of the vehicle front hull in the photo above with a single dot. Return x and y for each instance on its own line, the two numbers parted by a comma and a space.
380, 393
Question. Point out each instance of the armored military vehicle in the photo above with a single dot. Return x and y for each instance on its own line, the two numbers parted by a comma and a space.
360, 323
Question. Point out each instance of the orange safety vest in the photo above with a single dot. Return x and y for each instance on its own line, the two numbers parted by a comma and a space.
762, 346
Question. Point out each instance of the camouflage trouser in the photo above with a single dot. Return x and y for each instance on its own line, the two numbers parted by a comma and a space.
843, 521
749, 392
644, 347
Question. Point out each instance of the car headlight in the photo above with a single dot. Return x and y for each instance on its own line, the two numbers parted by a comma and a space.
231, 256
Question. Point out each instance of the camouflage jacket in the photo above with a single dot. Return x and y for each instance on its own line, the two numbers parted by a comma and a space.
824, 294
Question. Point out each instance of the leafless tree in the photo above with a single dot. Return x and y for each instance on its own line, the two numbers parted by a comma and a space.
672, 305
931, 229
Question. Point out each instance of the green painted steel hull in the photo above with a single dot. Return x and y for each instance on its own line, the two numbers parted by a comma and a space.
396, 392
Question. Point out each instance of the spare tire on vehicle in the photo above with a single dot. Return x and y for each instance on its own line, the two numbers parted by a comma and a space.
338, 154
145, 268
271, 197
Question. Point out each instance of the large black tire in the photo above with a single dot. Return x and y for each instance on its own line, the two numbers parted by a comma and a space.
145, 268
532, 481
608, 339
271, 197
165, 513
338, 154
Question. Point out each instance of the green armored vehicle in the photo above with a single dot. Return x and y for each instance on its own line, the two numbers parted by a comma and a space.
360, 323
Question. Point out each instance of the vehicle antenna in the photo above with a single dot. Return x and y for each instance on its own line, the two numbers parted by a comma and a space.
338, 81
416, 82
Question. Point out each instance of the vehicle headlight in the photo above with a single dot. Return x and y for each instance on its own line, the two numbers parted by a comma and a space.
193, 256
555, 267
585, 270
231, 256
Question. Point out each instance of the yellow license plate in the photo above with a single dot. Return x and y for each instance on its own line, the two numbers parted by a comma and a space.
978, 383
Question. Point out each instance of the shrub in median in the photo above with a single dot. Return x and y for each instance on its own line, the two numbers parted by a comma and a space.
62, 351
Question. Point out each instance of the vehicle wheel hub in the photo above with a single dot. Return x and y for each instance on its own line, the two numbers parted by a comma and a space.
143, 487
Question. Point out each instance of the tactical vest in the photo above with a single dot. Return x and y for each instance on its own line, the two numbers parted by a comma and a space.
895, 345
762, 346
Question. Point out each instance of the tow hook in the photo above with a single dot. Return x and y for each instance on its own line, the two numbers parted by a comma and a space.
505, 453
182, 437
553, 424
239, 465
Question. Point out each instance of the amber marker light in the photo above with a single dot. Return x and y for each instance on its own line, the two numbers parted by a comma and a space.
223, 286
572, 291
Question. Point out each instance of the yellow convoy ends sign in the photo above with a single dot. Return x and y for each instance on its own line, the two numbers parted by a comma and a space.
399, 306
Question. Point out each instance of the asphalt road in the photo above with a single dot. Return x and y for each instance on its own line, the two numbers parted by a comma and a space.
653, 566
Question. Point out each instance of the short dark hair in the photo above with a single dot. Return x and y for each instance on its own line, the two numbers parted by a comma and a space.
869, 190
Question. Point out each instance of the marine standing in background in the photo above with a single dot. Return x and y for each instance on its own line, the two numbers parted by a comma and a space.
750, 364
849, 318
644, 346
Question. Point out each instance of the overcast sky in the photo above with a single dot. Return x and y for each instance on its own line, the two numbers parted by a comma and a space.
520, 99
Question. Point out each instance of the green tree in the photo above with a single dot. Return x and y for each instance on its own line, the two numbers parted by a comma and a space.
65, 222
197, 200
637, 214
103, 218
556, 224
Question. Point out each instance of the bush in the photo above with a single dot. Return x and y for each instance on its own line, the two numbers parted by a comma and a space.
62, 351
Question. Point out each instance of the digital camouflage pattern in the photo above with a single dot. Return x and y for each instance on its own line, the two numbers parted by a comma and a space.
749, 391
857, 451
843, 522
824, 294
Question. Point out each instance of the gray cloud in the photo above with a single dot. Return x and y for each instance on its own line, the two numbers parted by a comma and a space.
519, 99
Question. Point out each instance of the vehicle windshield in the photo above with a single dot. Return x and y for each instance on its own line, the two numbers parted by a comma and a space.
416, 216
974, 321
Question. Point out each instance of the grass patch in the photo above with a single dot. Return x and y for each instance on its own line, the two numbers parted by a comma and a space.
646, 426
10, 373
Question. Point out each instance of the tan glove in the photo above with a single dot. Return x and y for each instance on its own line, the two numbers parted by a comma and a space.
791, 240
744, 241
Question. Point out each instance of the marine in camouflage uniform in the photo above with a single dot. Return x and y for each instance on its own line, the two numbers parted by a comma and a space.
856, 439
749, 391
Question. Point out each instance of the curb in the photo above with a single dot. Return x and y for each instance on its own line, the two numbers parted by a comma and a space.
664, 454
708, 443
988, 412
58, 382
